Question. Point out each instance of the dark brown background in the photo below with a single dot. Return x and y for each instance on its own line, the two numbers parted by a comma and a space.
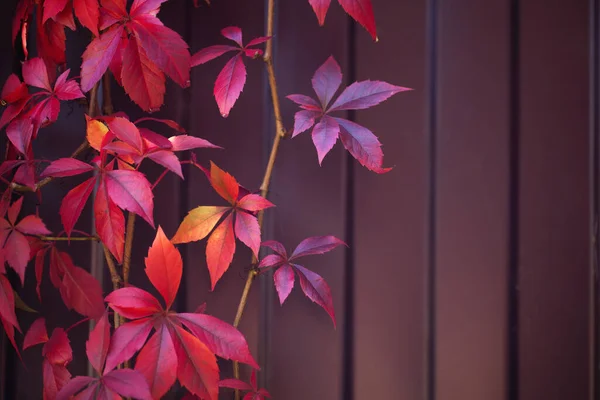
469, 273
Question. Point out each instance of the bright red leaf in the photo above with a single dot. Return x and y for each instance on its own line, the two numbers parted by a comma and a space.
200, 222
254, 393
358, 140
360, 10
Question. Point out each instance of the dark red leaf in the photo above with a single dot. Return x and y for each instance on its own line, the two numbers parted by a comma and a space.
284, 281
66, 167
20, 132
235, 384
210, 53
52, 8
51, 43
88, 14
17, 253
7, 302
82, 292
14, 90
168, 122
362, 12
229, 84
73, 203
96, 347
36, 334
110, 223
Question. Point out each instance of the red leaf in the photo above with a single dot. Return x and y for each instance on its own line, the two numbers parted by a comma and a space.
304, 120
131, 191
229, 84
198, 224
167, 160
320, 7
17, 253
96, 347
271, 260
158, 362
133, 303
235, 384
127, 383
57, 349
224, 184
186, 142
36, 334
126, 341
326, 81
365, 94
126, 131
164, 47
14, 90
316, 245
324, 136
73, 203
65, 17
19, 132
362, 12
98, 56
110, 222
220, 250
32, 225
12, 111
164, 267
362, 144
56, 377
254, 202
82, 292
7, 302
248, 231
258, 40
141, 78
233, 33
112, 11
75, 385
67, 89
284, 281
51, 42
52, 8
197, 368
221, 338
140, 7
316, 289
88, 14
66, 167
210, 53
35, 74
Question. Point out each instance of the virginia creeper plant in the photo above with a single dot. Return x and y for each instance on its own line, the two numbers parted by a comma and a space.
140, 345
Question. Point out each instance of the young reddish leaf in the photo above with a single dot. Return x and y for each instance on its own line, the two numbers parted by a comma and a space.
233, 33
20, 132
248, 231
362, 144
365, 94
67, 89
96, 347
221, 338
127, 383
220, 250
254, 202
73, 203
12, 111
88, 14
224, 184
324, 136
164, 267
98, 56
133, 303
229, 84
141, 78
164, 47
326, 81
158, 363
126, 341
316, 289
35, 74
284, 281
7, 303
362, 12
110, 223
131, 191
36, 334
198, 224
303, 121
126, 131
210, 53
197, 368
57, 349
82, 292
316, 245
186, 142
66, 167
320, 7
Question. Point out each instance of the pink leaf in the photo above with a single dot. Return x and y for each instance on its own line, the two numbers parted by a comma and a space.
126, 341
127, 132
157, 362
362, 12
67, 89
73, 203
361, 95
210, 53
36, 334
97, 345
55, 377
98, 56
164, 267
32, 225
271, 260
220, 249
362, 144
233, 33
35, 74
248, 231
128, 383
324, 136
186, 142
316, 245
258, 40
168, 160
58, 348
304, 120
284, 281
308, 103
316, 289
17, 254
13, 89
229, 84
110, 222
276, 247
131, 191
74, 386
327, 80
320, 7
254, 202
221, 338
66, 167
19, 132
133, 303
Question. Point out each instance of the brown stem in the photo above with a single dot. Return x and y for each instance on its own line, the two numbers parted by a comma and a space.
107, 105
114, 274
66, 239
128, 246
280, 133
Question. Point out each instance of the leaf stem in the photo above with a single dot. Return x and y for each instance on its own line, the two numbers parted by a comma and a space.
128, 246
280, 133
66, 239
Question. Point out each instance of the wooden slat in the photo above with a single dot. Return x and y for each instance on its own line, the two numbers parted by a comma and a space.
554, 210
390, 213
472, 200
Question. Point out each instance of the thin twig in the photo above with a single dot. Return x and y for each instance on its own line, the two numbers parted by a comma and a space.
114, 274
67, 239
107, 105
128, 246
280, 133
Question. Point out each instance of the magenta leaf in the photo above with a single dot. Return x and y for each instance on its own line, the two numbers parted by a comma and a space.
66, 167
316, 245
131, 191
316, 289
284, 281
229, 84
324, 136
365, 94
327, 80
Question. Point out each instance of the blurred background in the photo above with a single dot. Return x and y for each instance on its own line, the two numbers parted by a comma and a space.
470, 271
